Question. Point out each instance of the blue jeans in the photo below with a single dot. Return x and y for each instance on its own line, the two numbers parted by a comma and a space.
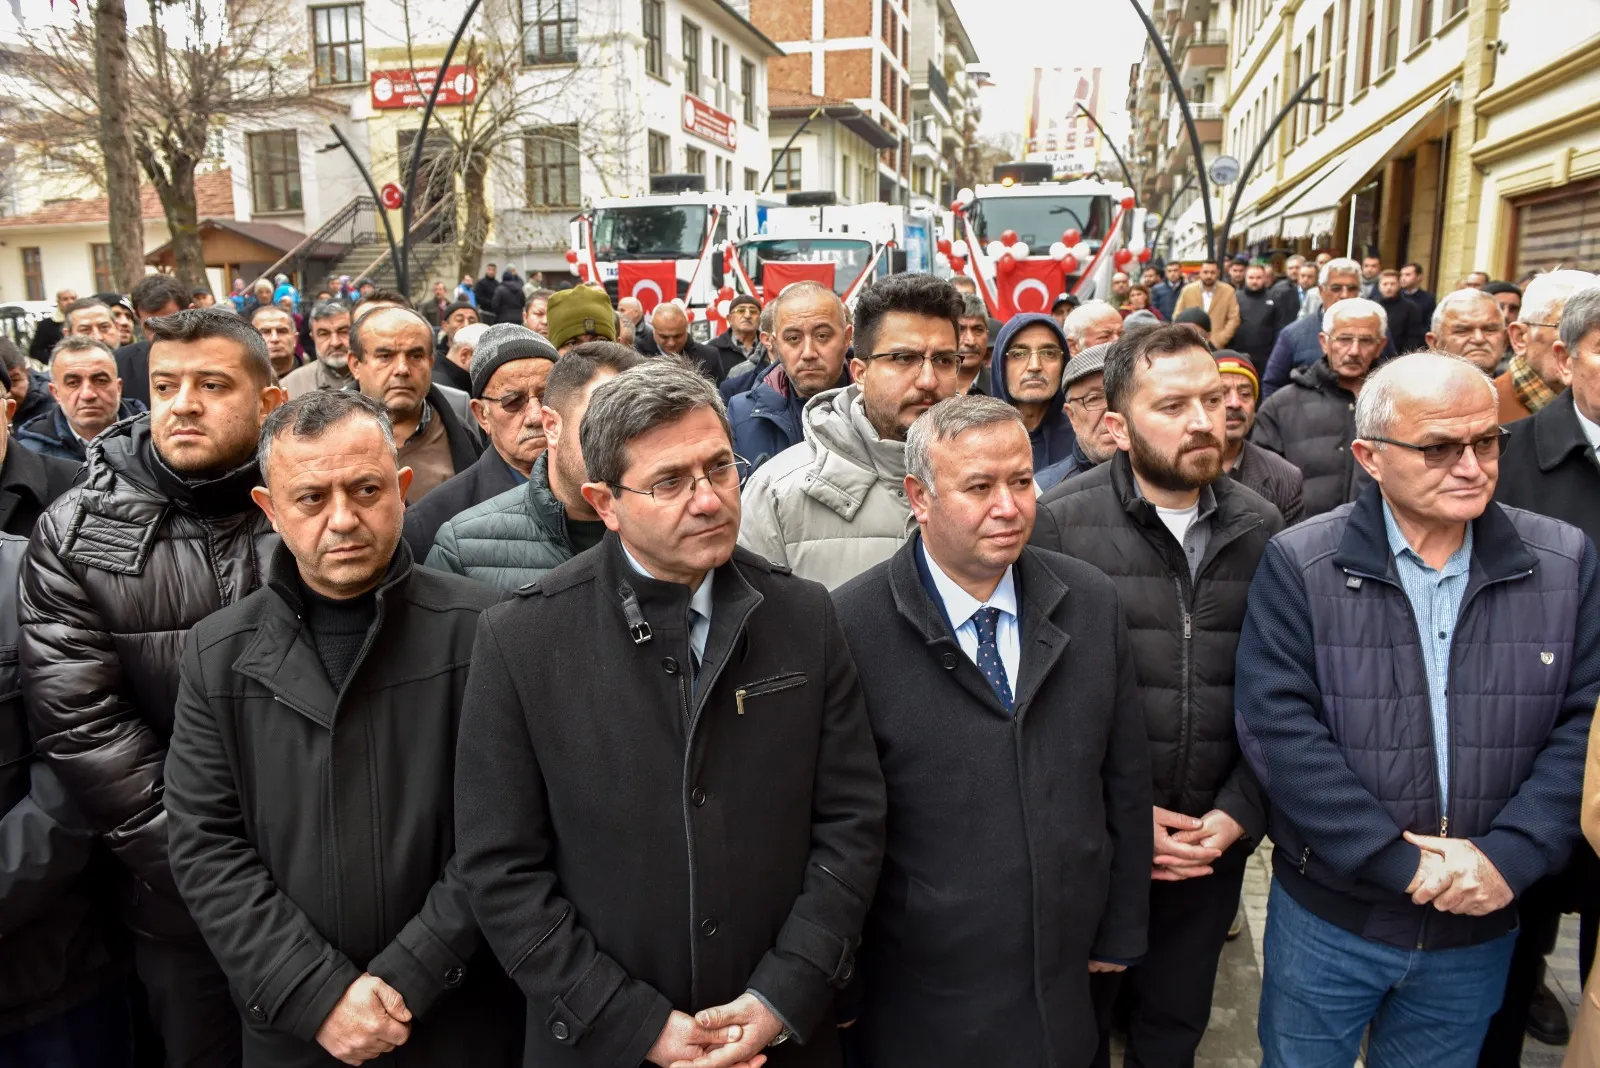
1324, 985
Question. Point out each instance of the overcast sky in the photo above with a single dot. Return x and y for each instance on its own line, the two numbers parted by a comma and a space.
1014, 36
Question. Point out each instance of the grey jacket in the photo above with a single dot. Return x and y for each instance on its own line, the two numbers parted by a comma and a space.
835, 504
509, 540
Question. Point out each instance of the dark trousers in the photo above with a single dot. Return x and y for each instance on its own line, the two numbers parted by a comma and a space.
1539, 914
94, 1034
1168, 994
188, 999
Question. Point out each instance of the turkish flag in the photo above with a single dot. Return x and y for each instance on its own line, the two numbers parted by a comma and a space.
1031, 286
778, 276
650, 282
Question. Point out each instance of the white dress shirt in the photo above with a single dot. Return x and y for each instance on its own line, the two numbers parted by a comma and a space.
1591, 430
699, 607
959, 605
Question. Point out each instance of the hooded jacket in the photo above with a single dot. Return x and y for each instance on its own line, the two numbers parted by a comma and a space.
1053, 438
49, 433
835, 504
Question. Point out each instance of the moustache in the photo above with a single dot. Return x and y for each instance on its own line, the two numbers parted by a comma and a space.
1200, 441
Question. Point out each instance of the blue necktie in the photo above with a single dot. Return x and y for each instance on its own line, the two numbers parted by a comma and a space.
987, 620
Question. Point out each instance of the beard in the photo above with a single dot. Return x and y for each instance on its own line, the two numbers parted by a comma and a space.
1197, 463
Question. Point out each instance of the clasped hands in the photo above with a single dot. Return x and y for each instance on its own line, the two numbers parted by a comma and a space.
369, 1020
723, 1036
1455, 876
1186, 846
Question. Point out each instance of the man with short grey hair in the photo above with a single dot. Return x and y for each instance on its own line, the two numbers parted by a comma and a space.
1469, 323
1415, 685
1297, 344
1094, 322
972, 341
772, 843
330, 337
959, 635
1533, 378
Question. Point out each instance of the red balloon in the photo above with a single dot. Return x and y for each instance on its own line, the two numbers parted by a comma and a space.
572, 255
1127, 202
583, 271
945, 244
958, 264
1070, 237
1144, 255
956, 207
1008, 238
725, 293
1007, 260
1123, 257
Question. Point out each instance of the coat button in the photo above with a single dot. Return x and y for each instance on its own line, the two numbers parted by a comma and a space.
698, 796
847, 973
949, 661
558, 1031
670, 666
257, 1012
454, 976
708, 927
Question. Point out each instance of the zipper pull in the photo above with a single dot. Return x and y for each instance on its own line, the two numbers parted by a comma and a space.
1305, 858
738, 699
1186, 626
1444, 827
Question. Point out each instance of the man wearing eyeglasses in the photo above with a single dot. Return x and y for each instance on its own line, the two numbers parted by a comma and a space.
670, 820
1083, 382
391, 361
1298, 345
1031, 353
510, 366
835, 504
1417, 675
1312, 422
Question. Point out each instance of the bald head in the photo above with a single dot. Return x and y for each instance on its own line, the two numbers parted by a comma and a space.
671, 328
631, 309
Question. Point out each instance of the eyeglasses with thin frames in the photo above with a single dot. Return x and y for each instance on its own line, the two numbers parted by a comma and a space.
1448, 453
945, 364
680, 488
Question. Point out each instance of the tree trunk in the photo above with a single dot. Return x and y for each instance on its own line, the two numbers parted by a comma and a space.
116, 143
475, 231
173, 177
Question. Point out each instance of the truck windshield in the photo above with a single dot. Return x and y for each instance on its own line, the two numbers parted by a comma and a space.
650, 232
849, 258
1040, 220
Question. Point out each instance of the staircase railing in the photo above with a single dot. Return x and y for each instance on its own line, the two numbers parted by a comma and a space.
346, 228
423, 224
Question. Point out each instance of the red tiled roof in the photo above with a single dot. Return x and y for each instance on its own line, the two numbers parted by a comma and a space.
213, 193
793, 98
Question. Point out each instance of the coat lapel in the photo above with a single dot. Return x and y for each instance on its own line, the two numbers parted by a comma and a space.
283, 660
1040, 593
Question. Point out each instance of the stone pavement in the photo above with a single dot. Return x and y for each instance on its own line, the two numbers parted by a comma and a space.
1230, 1041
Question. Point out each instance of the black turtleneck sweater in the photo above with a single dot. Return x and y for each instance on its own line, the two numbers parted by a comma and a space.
339, 629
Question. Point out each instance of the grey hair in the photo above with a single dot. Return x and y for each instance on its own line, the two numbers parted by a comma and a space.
1355, 308
637, 401
973, 307
1458, 299
328, 309
1338, 265
80, 343
769, 318
1580, 317
948, 420
1547, 292
1079, 318
311, 415
1417, 372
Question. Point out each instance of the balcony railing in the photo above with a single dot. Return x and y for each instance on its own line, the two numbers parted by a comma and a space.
938, 87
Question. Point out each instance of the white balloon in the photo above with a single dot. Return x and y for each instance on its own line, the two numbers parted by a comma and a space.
941, 260
958, 248
995, 249
722, 307
964, 197
1020, 250
1058, 251
1083, 252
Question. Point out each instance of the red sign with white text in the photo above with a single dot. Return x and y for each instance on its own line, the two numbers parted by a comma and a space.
703, 120
651, 282
410, 89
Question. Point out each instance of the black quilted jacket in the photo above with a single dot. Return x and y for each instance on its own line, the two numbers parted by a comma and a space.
118, 570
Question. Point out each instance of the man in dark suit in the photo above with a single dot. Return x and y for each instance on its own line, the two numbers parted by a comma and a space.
1000, 687
671, 327
29, 482
1411, 276
155, 295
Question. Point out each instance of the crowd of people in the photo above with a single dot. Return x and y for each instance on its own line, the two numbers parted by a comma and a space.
517, 679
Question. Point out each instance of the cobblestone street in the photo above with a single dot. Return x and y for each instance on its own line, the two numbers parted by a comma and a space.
1231, 1040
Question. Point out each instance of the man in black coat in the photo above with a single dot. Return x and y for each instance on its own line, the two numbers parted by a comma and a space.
671, 328
1006, 717
1263, 313
1549, 467
309, 780
29, 482
155, 295
484, 289
508, 300
674, 807
1181, 544
1408, 330
160, 534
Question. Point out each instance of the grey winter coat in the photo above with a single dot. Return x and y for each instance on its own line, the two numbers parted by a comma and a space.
510, 539
1311, 423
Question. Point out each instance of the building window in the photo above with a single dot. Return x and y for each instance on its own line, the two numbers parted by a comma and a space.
100, 255
1296, 119
336, 41
691, 62
1456, 7
786, 170
725, 83
33, 274
751, 179
1342, 63
275, 171
550, 166
1391, 34
1369, 13
694, 160
549, 31
1424, 27
747, 88
660, 153
654, 52
1325, 81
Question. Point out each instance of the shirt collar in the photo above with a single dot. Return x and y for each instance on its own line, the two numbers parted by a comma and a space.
1591, 429
1398, 546
958, 603
701, 600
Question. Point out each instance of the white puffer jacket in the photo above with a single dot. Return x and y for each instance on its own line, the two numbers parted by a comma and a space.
835, 504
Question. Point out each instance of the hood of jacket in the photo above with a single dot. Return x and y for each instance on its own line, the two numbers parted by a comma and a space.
836, 420
1053, 438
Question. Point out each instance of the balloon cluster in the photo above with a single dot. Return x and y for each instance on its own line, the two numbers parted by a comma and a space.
952, 254
1071, 247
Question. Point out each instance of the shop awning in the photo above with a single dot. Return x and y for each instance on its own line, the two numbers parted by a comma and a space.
1267, 220
1316, 211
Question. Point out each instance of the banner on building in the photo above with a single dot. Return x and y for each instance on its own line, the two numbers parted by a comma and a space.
703, 120
410, 88
650, 282
1054, 127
